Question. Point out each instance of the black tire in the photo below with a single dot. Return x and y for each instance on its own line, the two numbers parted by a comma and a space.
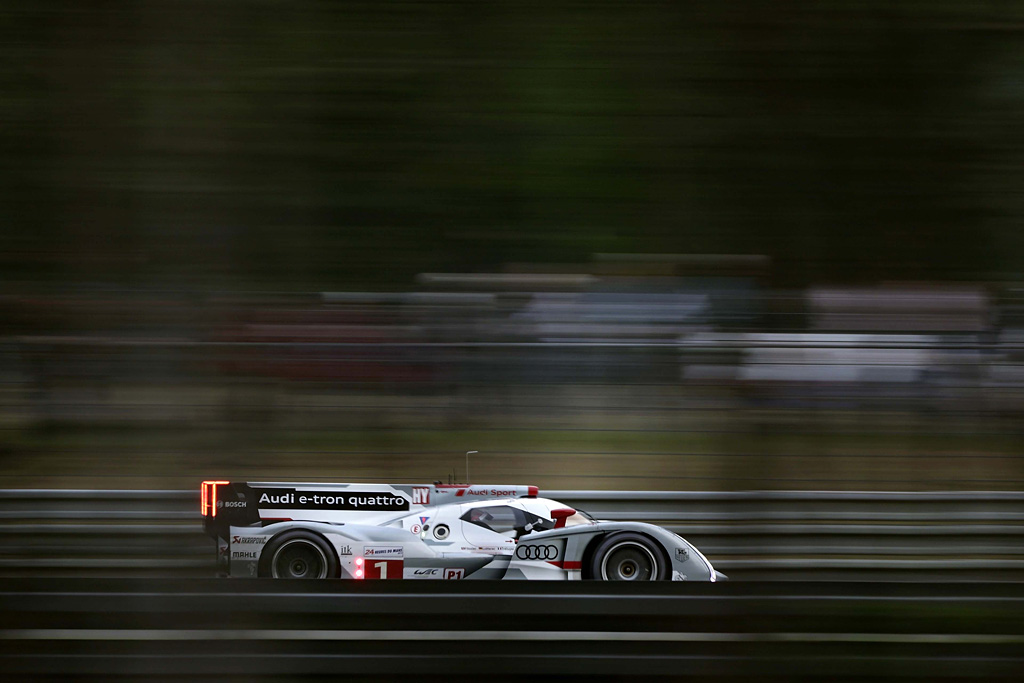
298, 555
627, 556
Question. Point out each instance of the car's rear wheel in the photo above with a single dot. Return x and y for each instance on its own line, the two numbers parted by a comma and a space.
628, 557
298, 555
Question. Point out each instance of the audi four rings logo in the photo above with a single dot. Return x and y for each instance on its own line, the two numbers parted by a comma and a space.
537, 552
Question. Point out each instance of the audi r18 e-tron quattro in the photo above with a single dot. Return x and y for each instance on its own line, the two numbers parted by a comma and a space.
431, 531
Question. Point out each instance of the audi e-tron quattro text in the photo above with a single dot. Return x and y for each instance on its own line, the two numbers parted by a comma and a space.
431, 531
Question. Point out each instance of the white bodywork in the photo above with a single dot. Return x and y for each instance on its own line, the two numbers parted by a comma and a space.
430, 531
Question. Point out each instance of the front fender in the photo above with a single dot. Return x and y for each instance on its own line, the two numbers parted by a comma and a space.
687, 563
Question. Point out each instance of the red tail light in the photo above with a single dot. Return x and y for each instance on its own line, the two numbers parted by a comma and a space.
208, 497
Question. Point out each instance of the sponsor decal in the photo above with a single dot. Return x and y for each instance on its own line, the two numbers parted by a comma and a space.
415, 529
230, 503
377, 568
488, 548
423, 520
243, 555
455, 573
222, 551
426, 572
420, 495
682, 554
395, 551
490, 493
249, 540
537, 552
345, 550
290, 499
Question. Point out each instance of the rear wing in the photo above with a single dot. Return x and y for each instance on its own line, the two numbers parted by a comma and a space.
225, 504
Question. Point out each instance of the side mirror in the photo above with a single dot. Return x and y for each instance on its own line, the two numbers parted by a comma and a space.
560, 515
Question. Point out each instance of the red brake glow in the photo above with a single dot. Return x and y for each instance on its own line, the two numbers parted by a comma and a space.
208, 497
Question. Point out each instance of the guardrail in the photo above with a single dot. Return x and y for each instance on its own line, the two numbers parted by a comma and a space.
748, 535
504, 631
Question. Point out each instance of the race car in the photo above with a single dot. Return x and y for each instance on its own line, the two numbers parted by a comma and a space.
431, 531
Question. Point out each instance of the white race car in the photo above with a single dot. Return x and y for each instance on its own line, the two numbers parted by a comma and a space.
432, 531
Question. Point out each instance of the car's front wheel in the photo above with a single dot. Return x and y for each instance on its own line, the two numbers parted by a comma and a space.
628, 557
298, 555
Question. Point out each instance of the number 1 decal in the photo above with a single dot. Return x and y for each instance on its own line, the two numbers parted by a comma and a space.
384, 569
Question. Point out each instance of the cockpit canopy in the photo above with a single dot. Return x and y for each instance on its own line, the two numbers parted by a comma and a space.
513, 521
507, 520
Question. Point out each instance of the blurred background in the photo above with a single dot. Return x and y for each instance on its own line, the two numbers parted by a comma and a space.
644, 245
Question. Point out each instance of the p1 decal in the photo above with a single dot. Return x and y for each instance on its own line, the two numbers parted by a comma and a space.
455, 573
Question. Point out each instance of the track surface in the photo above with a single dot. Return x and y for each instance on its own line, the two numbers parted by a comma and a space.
277, 630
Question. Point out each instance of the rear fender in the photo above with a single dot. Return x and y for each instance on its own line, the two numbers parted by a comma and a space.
348, 541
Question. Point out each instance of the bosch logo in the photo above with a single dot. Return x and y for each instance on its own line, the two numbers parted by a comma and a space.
537, 552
